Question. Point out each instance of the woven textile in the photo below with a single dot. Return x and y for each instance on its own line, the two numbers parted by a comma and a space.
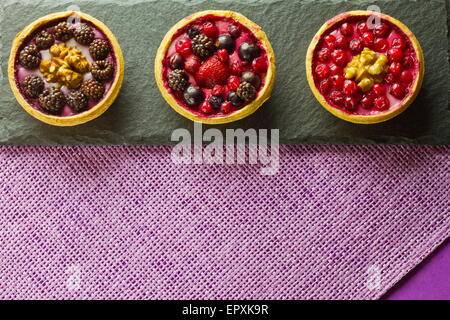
126, 223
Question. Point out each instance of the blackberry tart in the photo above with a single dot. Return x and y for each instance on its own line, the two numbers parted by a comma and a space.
215, 67
365, 67
66, 68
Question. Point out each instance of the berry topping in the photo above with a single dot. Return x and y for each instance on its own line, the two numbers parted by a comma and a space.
395, 55
350, 88
44, 40
356, 46
84, 35
368, 39
193, 96
192, 65
234, 31
63, 32
382, 103
326, 85
216, 102
177, 61
235, 100
350, 103
93, 89
324, 55
367, 101
52, 100
398, 91
178, 80
210, 30
233, 83
396, 68
99, 49
337, 97
347, 29
183, 47
323, 71
399, 43
259, 65
213, 72
380, 45
406, 77
225, 107
223, 55
102, 70
251, 78
249, 51
33, 86
30, 57
341, 43
202, 46
236, 68
339, 57
225, 41
247, 91
206, 108
381, 30
379, 90
77, 101
362, 28
193, 32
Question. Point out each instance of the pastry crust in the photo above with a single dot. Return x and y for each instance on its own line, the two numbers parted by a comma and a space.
359, 118
264, 93
81, 118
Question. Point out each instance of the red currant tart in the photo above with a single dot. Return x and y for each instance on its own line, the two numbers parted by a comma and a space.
215, 67
66, 68
377, 64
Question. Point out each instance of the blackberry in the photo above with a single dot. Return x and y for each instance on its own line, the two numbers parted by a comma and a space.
178, 80
44, 40
63, 32
84, 35
99, 49
33, 86
77, 101
30, 57
246, 91
102, 70
216, 102
192, 32
52, 100
93, 89
202, 46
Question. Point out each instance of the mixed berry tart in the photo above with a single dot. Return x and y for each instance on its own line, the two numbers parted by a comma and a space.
365, 67
215, 67
66, 68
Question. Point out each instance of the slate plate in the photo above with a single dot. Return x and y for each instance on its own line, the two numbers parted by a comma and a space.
141, 116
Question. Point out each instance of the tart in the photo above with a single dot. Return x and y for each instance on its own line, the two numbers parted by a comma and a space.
215, 67
365, 72
66, 68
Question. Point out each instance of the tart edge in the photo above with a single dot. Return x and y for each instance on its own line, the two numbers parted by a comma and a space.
264, 93
81, 118
358, 119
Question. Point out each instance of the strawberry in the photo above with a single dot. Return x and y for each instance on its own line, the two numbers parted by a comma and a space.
213, 72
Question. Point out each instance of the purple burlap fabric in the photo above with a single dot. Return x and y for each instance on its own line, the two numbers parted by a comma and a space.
127, 223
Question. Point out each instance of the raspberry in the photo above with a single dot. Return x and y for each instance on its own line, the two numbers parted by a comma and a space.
52, 100
30, 57
33, 86
63, 32
223, 55
210, 30
202, 46
183, 47
247, 92
217, 90
233, 83
77, 101
236, 68
178, 80
93, 89
99, 49
226, 107
44, 40
259, 65
102, 70
206, 107
84, 35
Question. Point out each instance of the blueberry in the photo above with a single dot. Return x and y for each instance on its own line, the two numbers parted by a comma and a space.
176, 61
234, 99
249, 51
225, 41
192, 32
193, 96
252, 78
216, 101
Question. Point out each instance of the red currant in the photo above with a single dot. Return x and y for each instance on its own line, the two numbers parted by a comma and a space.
259, 65
380, 45
210, 30
356, 46
395, 55
326, 85
338, 81
399, 43
236, 68
323, 71
379, 90
339, 57
324, 55
362, 28
382, 103
389, 78
223, 55
367, 101
382, 30
330, 41
341, 43
226, 107
398, 91
408, 62
183, 47
406, 77
206, 107
233, 83
337, 97
347, 29
350, 88
217, 90
335, 70
396, 69
350, 103
368, 38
